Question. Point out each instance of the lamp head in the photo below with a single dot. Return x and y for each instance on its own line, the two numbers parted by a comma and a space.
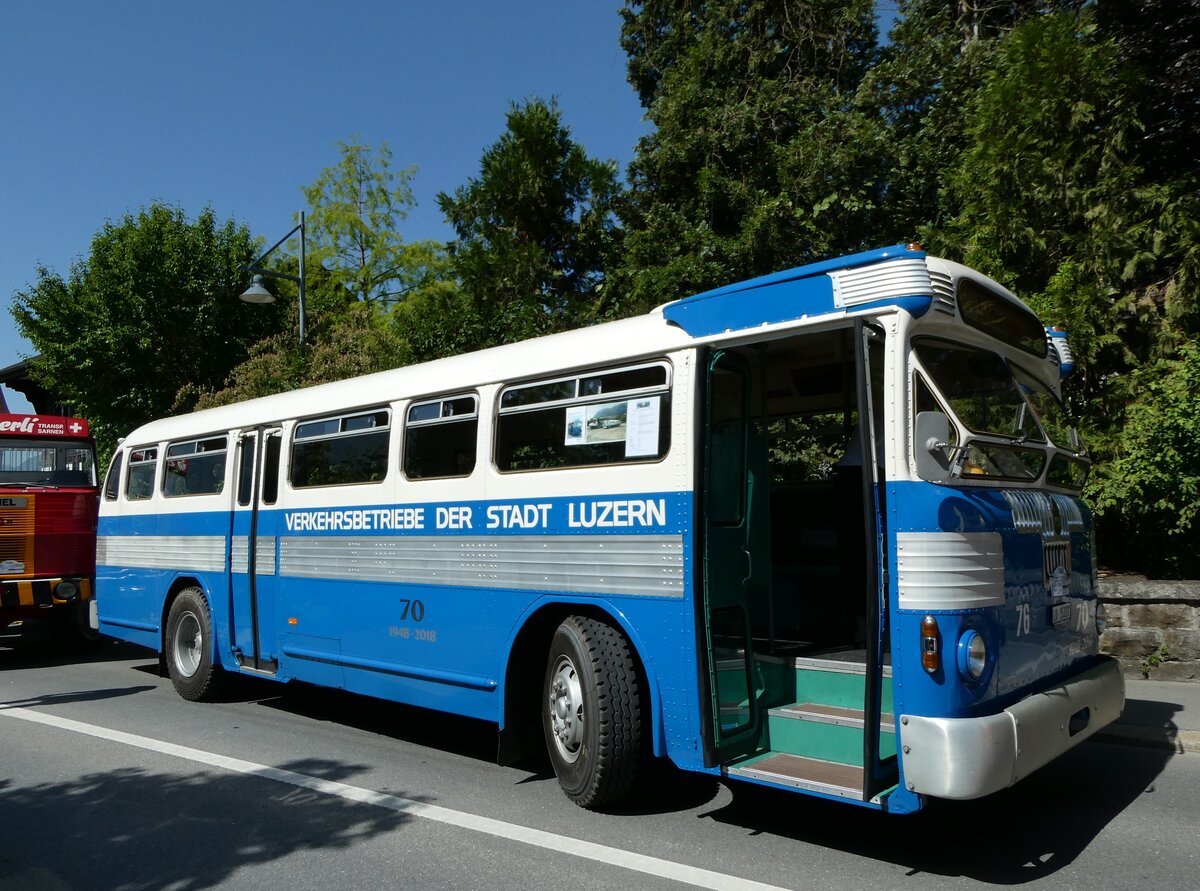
257, 293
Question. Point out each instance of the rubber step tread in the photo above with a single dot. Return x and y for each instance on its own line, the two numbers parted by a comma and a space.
843, 780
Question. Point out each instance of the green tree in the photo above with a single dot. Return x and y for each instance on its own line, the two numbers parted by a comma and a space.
148, 320
1053, 194
1151, 495
360, 280
355, 211
535, 230
760, 158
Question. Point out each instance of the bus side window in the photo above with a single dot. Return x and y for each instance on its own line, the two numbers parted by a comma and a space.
112, 482
341, 450
608, 416
270, 486
142, 465
195, 467
245, 477
440, 437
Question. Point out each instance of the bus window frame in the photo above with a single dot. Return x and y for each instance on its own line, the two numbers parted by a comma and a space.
113, 492
133, 462
441, 420
665, 391
195, 442
341, 434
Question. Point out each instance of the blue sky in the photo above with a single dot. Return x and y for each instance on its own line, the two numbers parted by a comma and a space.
235, 104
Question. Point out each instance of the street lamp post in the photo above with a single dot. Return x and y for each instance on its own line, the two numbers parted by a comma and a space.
258, 293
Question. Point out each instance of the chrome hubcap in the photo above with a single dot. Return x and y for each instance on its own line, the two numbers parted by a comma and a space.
566, 709
188, 645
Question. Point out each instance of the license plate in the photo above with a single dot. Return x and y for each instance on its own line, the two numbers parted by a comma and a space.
1060, 613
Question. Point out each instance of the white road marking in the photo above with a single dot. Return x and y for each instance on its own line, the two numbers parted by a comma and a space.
667, 869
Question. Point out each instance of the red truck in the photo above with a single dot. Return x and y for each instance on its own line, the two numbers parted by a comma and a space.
48, 503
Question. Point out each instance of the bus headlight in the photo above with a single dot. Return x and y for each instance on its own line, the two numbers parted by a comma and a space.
66, 591
972, 655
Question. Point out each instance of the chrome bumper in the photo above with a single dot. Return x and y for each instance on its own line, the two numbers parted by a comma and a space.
972, 757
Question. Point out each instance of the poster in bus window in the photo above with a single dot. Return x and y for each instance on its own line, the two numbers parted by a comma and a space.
575, 428
641, 434
591, 424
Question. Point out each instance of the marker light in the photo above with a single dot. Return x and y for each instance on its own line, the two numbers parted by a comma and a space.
972, 655
1062, 350
931, 657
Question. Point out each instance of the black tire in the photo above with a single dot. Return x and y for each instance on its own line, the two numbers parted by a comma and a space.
591, 712
188, 648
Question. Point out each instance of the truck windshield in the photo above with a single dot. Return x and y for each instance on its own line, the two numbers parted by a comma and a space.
47, 462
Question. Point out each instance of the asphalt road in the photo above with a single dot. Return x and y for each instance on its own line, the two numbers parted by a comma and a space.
109, 780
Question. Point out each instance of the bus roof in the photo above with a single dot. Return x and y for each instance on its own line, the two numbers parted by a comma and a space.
616, 341
893, 277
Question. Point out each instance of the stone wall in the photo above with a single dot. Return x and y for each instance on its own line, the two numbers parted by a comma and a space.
1153, 627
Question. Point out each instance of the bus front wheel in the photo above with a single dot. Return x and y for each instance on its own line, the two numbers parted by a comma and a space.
189, 649
591, 712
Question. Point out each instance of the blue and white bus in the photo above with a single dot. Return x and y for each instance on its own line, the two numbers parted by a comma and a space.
820, 531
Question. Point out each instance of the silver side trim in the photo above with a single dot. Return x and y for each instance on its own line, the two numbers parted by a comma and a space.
965, 758
188, 553
596, 564
943, 292
1030, 510
950, 570
1068, 510
1037, 512
264, 554
880, 281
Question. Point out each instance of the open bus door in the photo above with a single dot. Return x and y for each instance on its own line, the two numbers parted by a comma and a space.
252, 567
795, 568
736, 716
878, 773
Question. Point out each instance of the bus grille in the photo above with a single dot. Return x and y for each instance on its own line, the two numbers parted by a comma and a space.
16, 536
1056, 554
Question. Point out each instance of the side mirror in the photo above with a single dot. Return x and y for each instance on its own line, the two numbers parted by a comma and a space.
932, 447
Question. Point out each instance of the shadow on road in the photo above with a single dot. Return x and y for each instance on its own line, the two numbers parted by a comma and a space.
35, 645
1022, 834
146, 830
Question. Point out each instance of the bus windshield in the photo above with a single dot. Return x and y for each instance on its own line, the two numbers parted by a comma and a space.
982, 393
980, 389
47, 462
1050, 411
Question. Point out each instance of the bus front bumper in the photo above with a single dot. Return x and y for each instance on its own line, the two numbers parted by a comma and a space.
965, 758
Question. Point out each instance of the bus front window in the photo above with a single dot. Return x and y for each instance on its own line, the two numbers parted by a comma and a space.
980, 391
1050, 411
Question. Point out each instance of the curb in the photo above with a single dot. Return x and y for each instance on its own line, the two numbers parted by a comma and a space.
1178, 741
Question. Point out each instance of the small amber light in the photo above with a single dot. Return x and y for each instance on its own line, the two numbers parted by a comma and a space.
292, 620
931, 657
914, 246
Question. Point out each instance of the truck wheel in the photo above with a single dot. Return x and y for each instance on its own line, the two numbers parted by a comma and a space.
189, 647
591, 712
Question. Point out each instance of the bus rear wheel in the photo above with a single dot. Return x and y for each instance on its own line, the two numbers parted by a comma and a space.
591, 712
189, 649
